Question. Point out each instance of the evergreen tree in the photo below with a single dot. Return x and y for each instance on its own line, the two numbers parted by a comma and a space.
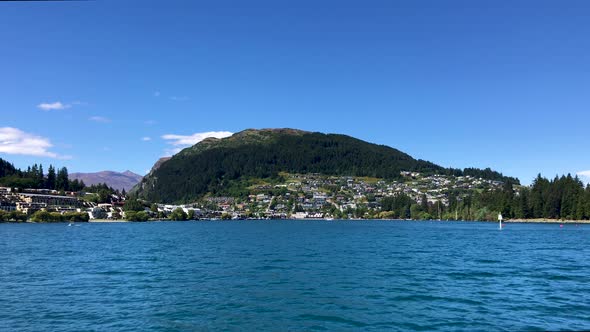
62, 182
50, 182
424, 203
39, 177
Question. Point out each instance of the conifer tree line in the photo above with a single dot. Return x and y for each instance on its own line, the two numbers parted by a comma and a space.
35, 177
563, 197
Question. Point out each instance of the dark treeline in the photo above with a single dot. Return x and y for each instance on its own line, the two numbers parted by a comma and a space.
564, 197
34, 177
46, 216
487, 173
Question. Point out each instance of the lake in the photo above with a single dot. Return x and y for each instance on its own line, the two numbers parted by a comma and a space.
294, 275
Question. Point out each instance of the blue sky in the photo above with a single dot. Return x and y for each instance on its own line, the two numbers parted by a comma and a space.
114, 85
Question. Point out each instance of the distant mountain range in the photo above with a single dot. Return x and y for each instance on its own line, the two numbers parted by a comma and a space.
117, 180
224, 166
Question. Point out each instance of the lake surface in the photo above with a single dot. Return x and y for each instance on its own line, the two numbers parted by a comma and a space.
294, 275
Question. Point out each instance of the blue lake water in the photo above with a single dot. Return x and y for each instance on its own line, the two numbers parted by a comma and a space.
294, 275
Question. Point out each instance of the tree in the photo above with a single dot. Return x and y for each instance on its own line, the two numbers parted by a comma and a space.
415, 211
178, 214
104, 196
41, 216
521, 205
133, 205
39, 179
76, 185
154, 208
50, 182
142, 216
17, 216
424, 203
273, 204
136, 216
62, 181
45, 216
191, 215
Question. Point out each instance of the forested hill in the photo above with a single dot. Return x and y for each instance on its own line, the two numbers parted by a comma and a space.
6, 168
217, 166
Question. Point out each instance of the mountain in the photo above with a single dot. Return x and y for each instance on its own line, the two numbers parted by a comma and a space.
224, 166
158, 164
117, 180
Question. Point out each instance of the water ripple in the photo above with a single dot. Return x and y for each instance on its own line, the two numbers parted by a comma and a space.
294, 276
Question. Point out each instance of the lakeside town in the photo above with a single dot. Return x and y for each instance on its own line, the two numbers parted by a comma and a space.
299, 196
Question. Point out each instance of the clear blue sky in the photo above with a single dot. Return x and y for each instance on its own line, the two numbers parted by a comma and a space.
504, 84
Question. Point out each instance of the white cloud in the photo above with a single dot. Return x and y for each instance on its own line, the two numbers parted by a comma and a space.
150, 122
585, 175
146, 139
16, 141
194, 138
99, 119
53, 106
171, 152
180, 142
181, 98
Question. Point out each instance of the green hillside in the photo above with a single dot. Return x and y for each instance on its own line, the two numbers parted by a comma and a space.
221, 166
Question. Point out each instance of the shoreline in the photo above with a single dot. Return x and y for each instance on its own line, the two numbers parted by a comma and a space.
515, 221
547, 221
107, 221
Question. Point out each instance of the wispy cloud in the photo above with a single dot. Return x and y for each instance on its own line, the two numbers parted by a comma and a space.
157, 94
100, 119
585, 175
149, 122
194, 138
53, 106
16, 141
180, 142
146, 139
179, 98
171, 151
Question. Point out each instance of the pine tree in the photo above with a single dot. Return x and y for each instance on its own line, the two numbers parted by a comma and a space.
50, 182
62, 181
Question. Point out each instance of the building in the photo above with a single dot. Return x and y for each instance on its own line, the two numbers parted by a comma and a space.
50, 200
7, 206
